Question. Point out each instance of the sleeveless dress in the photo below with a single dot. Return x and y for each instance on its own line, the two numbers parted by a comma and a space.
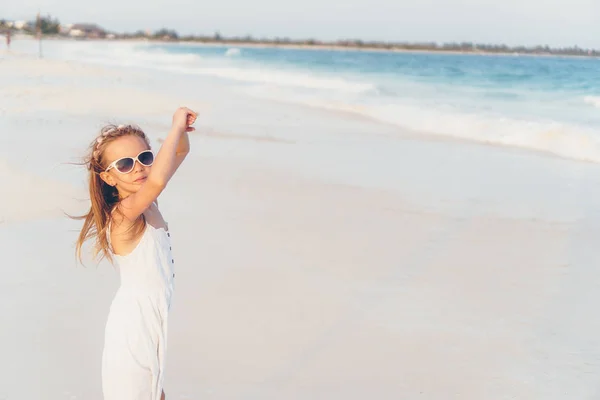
133, 359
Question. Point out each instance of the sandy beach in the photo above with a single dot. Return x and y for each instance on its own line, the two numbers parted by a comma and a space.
319, 255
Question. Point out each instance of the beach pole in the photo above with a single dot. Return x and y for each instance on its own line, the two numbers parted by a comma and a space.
39, 34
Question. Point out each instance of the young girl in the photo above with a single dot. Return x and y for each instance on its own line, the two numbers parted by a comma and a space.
125, 180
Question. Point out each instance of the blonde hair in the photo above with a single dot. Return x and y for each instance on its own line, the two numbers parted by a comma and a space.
103, 197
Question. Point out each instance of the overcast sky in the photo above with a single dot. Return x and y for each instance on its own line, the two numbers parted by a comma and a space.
553, 22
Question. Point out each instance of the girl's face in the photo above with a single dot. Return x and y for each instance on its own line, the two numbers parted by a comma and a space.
122, 147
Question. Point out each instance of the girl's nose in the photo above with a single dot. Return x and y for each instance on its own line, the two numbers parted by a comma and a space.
138, 166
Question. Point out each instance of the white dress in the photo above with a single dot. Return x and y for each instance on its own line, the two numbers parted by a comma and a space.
133, 360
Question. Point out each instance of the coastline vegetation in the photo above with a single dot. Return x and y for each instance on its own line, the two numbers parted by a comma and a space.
50, 27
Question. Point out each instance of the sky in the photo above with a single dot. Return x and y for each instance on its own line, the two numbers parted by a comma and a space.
529, 22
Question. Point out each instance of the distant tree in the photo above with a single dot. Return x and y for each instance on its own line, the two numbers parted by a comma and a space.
218, 36
166, 34
49, 25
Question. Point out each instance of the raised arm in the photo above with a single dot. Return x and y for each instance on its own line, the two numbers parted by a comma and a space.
183, 148
172, 152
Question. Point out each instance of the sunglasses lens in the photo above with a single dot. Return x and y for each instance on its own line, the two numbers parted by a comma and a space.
146, 158
124, 165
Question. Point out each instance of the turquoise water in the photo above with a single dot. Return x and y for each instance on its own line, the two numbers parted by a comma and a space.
468, 82
548, 104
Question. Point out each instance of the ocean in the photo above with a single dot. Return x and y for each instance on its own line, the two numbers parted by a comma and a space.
548, 104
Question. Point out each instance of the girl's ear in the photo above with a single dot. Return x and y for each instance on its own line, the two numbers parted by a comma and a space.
107, 178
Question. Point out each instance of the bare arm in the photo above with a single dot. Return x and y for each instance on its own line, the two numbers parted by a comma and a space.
171, 154
183, 148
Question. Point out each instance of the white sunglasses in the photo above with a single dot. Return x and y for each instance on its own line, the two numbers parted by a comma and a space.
126, 164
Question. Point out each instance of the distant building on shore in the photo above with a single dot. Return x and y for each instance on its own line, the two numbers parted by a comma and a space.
18, 25
91, 31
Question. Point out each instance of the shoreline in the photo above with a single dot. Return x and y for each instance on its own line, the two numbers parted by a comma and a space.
316, 47
403, 133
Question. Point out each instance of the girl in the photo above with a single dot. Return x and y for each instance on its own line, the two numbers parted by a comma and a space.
125, 180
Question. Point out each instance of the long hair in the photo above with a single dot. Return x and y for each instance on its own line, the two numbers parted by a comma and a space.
103, 197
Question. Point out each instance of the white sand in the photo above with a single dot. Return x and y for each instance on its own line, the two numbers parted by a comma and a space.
306, 268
